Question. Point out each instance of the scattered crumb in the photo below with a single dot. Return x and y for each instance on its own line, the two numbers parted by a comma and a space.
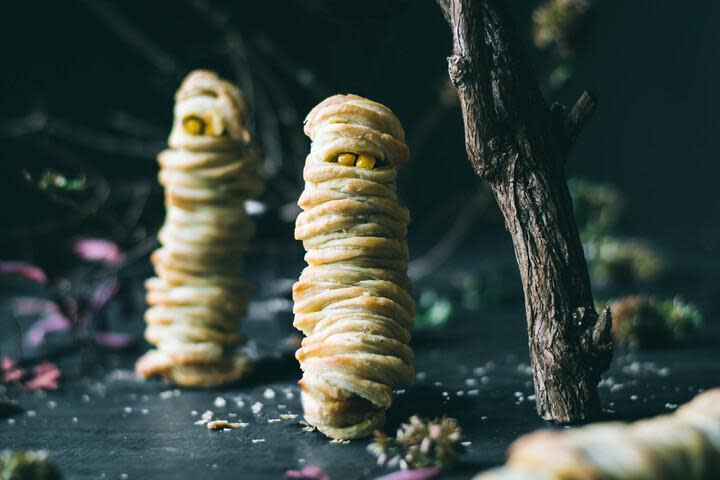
459, 393
465, 444
205, 417
167, 394
52, 404
239, 402
232, 414
473, 392
225, 425
127, 409
273, 420
399, 391
258, 440
31, 413
307, 427
194, 413
85, 398
123, 476
256, 407
633, 397
281, 406
144, 411
75, 419
269, 393
220, 402
470, 382
483, 418
437, 384
445, 394
671, 406
11, 421
337, 440
288, 416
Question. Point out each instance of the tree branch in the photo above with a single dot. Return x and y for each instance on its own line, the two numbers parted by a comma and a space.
519, 145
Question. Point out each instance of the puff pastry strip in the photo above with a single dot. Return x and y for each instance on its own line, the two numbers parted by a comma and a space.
684, 445
208, 172
353, 299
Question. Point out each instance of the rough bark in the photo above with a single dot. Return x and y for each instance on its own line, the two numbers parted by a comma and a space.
520, 145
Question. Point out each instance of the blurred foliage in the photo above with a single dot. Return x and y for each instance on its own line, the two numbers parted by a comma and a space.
559, 24
31, 465
611, 259
597, 206
420, 443
648, 322
432, 310
52, 179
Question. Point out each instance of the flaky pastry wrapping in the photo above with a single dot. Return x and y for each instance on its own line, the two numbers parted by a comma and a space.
684, 445
353, 299
208, 173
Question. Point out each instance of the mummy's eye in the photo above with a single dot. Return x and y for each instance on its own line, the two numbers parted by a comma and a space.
362, 160
365, 161
194, 125
347, 159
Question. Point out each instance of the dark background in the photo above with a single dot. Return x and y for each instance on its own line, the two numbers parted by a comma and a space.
87, 86
87, 90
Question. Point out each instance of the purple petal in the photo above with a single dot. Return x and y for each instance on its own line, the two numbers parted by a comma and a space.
98, 250
115, 340
418, 474
104, 292
310, 472
32, 306
25, 270
46, 377
54, 322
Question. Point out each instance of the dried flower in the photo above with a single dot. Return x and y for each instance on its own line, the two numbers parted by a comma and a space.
646, 322
98, 250
310, 472
24, 270
46, 376
560, 23
31, 465
420, 443
418, 474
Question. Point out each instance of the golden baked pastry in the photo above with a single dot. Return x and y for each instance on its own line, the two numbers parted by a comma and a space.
208, 172
682, 446
353, 299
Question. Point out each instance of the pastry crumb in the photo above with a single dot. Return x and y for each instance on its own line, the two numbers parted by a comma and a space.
225, 425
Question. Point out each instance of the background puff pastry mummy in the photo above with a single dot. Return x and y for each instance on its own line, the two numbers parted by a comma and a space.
681, 446
352, 301
208, 172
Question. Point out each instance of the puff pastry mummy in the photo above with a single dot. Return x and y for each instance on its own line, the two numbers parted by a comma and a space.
682, 446
194, 301
353, 299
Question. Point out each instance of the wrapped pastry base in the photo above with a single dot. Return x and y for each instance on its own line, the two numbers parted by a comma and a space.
352, 301
196, 298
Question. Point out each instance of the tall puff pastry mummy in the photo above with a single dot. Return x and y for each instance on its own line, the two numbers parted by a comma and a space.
208, 172
682, 446
352, 301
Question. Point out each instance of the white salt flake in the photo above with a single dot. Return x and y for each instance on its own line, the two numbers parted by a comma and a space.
220, 402
269, 393
256, 407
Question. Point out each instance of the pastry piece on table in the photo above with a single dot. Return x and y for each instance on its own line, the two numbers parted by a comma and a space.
353, 299
684, 445
198, 294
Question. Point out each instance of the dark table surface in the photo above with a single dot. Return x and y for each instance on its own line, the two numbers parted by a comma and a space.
104, 423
